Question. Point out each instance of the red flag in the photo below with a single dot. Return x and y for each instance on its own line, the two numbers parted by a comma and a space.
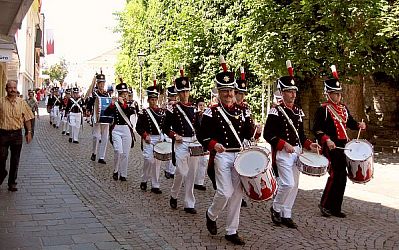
49, 41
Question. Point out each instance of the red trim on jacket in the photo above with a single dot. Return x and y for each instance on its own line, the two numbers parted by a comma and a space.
280, 145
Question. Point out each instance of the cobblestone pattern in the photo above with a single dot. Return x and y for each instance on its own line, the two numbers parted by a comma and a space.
143, 220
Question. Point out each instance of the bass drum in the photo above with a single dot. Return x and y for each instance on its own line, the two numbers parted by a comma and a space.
360, 160
100, 104
256, 174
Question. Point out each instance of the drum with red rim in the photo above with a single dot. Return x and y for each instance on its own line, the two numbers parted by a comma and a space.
360, 159
256, 174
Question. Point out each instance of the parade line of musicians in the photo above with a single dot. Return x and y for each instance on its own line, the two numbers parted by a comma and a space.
189, 142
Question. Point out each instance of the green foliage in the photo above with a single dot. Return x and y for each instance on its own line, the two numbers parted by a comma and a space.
57, 71
359, 36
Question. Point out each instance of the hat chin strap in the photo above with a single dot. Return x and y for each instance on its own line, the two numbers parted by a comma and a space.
329, 98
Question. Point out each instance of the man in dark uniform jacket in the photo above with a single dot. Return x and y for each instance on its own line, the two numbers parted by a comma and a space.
149, 127
180, 125
284, 131
55, 102
100, 130
64, 119
75, 110
217, 135
121, 134
330, 123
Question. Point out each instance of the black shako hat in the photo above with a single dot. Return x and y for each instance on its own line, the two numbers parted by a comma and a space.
332, 84
224, 79
241, 82
285, 83
152, 91
182, 83
121, 87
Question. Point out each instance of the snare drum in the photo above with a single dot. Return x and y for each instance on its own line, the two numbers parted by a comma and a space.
312, 164
100, 104
163, 151
360, 159
196, 149
256, 174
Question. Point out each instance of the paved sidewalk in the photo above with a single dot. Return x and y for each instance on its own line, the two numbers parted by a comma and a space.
66, 201
45, 213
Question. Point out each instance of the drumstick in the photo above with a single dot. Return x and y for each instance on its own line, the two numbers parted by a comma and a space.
303, 156
317, 149
232, 149
344, 148
358, 134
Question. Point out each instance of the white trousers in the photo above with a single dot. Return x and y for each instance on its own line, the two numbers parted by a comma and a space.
287, 182
152, 166
75, 121
100, 132
229, 191
55, 115
201, 171
64, 122
185, 172
122, 140
169, 167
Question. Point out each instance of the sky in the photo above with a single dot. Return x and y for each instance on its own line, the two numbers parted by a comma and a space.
83, 29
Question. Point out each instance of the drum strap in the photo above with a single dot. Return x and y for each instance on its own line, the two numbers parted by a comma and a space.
185, 117
123, 115
339, 119
230, 125
76, 103
153, 120
291, 123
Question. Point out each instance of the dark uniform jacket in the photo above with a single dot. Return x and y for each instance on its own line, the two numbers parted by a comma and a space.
71, 107
215, 129
175, 123
53, 101
278, 130
326, 126
145, 126
91, 100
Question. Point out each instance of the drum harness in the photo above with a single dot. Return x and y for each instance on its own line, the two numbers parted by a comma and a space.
230, 125
339, 119
118, 107
291, 123
76, 103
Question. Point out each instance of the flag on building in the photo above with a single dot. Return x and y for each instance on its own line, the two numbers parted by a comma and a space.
49, 41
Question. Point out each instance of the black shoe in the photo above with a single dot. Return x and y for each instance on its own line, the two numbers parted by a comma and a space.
173, 202
211, 225
143, 186
63, 132
122, 178
276, 217
102, 161
99, 141
57, 127
172, 176
93, 157
156, 191
12, 188
235, 239
190, 210
76, 142
338, 214
67, 133
53, 125
244, 203
167, 175
115, 176
199, 187
289, 222
324, 211
70, 139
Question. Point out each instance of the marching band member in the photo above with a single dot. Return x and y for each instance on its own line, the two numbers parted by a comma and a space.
284, 131
203, 160
330, 123
49, 102
75, 111
180, 125
100, 130
65, 113
54, 102
121, 131
149, 124
170, 169
223, 129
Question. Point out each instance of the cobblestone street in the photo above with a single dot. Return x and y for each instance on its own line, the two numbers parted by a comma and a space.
67, 201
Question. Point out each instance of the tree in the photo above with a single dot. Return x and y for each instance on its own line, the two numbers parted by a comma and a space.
57, 71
